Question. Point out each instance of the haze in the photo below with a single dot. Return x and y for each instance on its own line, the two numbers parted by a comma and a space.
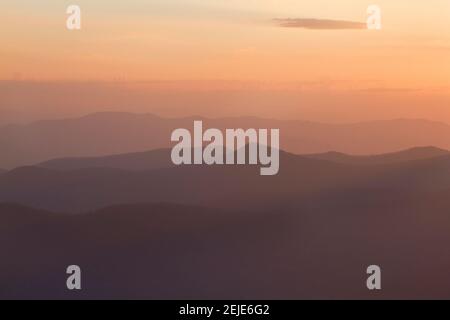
184, 57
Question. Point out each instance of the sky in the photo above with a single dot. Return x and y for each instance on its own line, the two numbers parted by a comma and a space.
266, 46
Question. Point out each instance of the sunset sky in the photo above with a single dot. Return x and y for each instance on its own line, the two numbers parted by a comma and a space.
230, 45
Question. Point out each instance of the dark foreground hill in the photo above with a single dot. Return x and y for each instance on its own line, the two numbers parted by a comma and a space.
158, 251
308, 232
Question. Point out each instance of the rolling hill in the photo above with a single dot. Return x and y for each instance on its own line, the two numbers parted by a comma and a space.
228, 187
160, 158
103, 134
148, 230
135, 161
166, 251
417, 153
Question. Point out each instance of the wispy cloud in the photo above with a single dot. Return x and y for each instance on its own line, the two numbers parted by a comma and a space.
319, 24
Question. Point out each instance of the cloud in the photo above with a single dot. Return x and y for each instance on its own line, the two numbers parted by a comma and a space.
320, 24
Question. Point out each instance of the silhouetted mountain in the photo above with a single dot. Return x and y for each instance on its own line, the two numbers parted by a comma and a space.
231, 187
160, 251
115, 133
85, 189
148, 160
160, 158
402, 156
2, 171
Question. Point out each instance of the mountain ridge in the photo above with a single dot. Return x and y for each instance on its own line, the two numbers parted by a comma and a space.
223, 186
102, 114
416, 153
104, 134
160, 158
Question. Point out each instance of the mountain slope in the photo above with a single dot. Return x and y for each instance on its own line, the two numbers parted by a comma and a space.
114, 133
163, 251
85, 189
160, 158
232, 187
417, 153
147, 160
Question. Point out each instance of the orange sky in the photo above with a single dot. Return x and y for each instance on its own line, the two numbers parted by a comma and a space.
234, 41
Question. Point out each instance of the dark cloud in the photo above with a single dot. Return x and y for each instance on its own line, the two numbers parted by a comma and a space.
320, 24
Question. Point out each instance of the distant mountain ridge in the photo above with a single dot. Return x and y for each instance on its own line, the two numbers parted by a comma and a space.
412, 154
103, 134
230, 187
160, 158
